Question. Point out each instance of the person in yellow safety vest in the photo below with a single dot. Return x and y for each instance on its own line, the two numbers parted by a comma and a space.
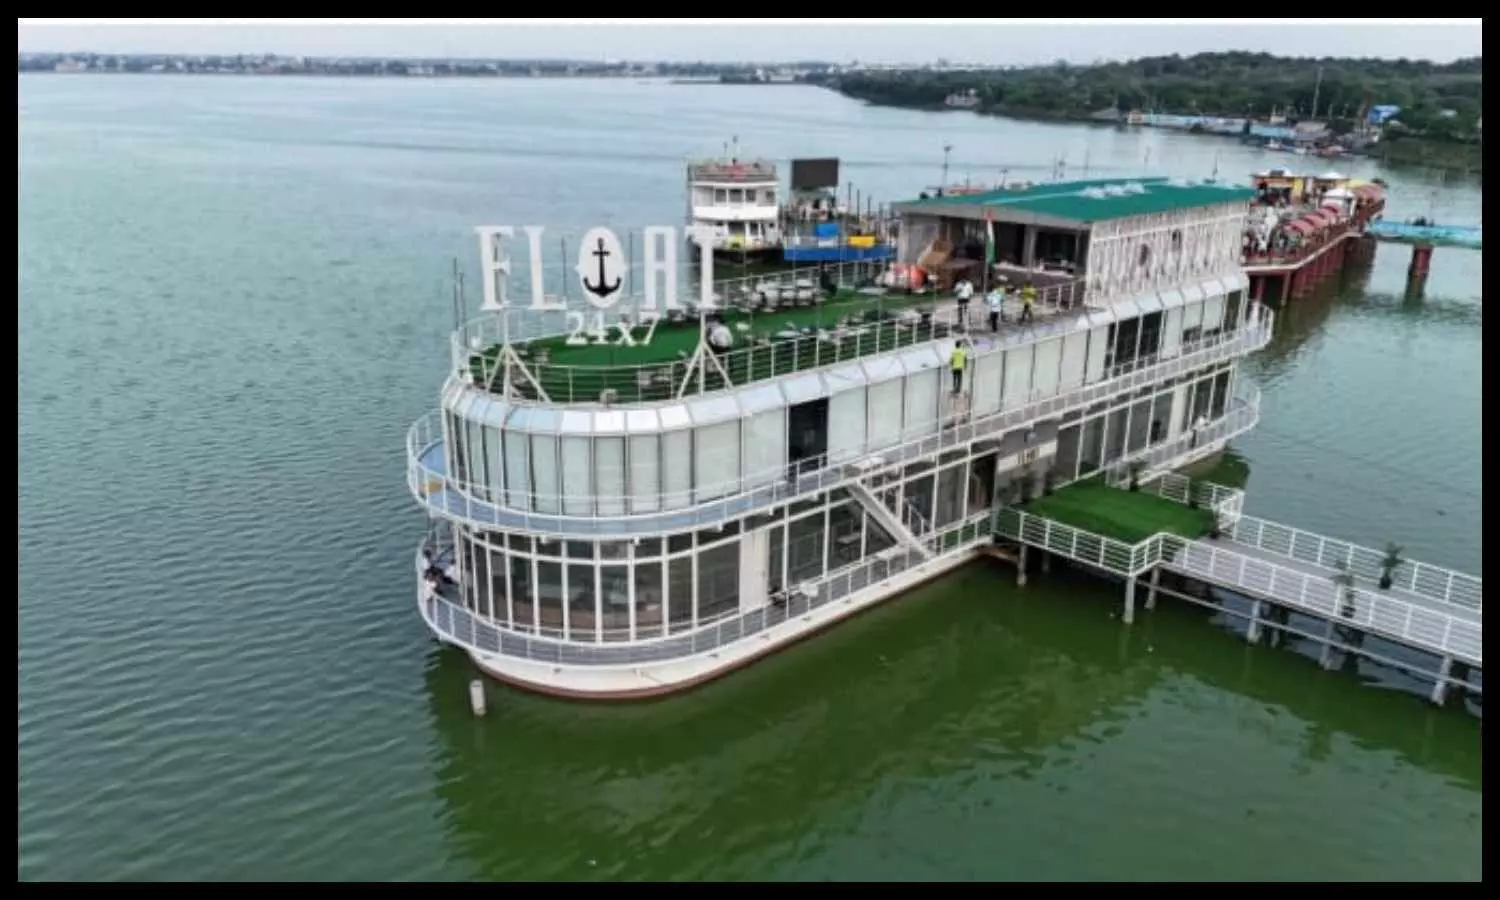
1028, 297
956, 362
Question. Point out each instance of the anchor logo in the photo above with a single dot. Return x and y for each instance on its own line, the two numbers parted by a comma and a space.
601, 266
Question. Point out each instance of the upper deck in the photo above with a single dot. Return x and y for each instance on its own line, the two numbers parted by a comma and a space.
732, 171
808, 332
1121, 236
1144, 238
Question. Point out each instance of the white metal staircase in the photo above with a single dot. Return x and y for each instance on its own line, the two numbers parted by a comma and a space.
900, 528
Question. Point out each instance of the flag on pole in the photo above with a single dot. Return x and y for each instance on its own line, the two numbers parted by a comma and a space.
989, 247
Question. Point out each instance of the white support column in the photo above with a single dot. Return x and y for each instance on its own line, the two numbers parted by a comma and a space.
1021, 567
1326, 656
598, 598
786, 547
1129, 600
693, 593
510, 592
567, 612
630, 588
461, 550
1252, 634
827, 543
489, 581
1151, 590
1440, 687
536, 590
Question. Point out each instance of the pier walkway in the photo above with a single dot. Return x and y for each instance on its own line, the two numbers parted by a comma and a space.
1469, 238
1427, 608
1403, 616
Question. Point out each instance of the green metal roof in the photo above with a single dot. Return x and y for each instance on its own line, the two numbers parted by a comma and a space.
1097, 199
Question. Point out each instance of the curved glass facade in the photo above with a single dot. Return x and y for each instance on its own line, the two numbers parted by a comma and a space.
647, 588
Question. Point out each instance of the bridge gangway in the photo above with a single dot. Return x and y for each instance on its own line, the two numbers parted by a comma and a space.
1466, 237
1428, 608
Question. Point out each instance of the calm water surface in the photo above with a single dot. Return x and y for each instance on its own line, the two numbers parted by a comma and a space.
231, 306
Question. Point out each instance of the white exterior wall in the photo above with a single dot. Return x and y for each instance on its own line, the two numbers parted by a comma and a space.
678, 464
1164, 250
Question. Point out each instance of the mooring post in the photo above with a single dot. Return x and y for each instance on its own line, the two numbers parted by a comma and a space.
1421, 261
1440, 687
1130, 600
1021, 567
1325, 656
1252, 634
476, 697
1151, 589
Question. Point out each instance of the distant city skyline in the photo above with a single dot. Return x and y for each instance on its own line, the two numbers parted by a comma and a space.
974, 41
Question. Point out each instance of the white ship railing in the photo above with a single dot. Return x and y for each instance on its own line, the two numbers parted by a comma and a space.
1423, 579
476, 503
475, 344
463, 627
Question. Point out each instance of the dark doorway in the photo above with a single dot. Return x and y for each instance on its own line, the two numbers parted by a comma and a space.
807, 435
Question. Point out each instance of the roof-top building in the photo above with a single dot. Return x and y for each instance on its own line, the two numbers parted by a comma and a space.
1120, 236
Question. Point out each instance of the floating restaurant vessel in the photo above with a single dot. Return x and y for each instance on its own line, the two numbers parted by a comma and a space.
625, 521
738, 201
1302, 227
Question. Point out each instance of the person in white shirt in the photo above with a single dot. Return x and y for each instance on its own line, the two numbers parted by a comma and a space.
964, 291
720, 338
995, 300
1199, 424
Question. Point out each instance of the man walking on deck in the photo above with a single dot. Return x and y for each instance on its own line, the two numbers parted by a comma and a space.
1028, 299
964, 291
956, 363
995, 300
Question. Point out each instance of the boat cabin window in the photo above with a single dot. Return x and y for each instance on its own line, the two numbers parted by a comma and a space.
1126, 337
807, 434
1151, 334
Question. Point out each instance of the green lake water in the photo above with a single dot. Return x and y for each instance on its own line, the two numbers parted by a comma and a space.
231, 306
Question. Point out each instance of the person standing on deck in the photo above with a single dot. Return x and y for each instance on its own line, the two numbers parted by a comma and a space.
720, 338
964, 291
1028, 299
1199, 424
956, 363
995, 300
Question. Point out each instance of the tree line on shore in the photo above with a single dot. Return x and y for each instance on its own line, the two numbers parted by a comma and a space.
1442, 101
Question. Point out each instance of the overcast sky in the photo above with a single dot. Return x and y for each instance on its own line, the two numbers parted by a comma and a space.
972, 40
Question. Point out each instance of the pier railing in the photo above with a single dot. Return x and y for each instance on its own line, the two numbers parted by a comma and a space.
1106, 553
1225, 501
1420, 626
1426, 627
468, 629
496, 505
1432, 582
